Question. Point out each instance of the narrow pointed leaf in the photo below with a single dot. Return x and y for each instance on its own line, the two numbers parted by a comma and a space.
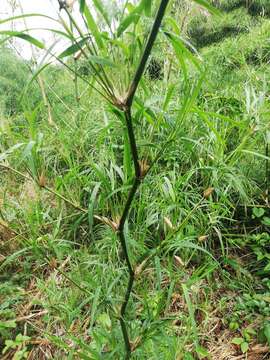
23, 36
132, 18
181, 50
91, 207
101, 8
262, 156
208, 6
147, 4
92, 26
73, 48
58, 32
82, 5
101, 61
12, 18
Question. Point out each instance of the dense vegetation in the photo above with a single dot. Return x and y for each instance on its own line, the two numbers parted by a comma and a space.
198, 227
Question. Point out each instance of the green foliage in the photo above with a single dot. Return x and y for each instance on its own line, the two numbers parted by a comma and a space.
13, 74
19, 341
23, 36
198, 228
254, 7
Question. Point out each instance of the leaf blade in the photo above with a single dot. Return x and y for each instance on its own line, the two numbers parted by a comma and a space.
92, 26
73, 48
23, 36
208, 6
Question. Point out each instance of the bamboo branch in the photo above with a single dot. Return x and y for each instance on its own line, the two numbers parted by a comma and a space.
101, 219
139, 174
132, 141
148, 48
104, 82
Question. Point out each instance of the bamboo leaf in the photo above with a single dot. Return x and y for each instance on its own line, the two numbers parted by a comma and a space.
168, 96
191, 314
100, 7
101, 61
132, 18
58, 32
91, 207
208, 6
181, 50
94, 307
82, 5
208, 122
23, 36
73, 48
24, 16
92, 26
147, 4
173, 24
262, 156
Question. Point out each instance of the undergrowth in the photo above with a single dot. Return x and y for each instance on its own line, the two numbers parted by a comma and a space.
198, 228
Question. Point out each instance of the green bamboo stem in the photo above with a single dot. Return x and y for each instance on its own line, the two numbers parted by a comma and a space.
139, 176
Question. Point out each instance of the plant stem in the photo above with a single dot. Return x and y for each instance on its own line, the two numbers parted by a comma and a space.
147, 51
139, 176
105, 83
132, 141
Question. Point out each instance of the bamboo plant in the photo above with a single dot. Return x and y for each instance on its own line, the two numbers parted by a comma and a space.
100, 47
